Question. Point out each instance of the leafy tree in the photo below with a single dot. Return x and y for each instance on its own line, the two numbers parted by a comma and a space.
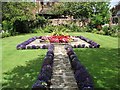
58, 9
98, 12
17, 14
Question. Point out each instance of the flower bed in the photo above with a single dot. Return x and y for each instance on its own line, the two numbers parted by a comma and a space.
83, 78
44, 78
57, 39
24, 44
92, 43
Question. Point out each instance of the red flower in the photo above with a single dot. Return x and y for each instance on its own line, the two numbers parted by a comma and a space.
59, 39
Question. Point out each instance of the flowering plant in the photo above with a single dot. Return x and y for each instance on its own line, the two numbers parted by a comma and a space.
59, 39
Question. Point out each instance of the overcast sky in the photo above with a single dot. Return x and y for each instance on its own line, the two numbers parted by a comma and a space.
114, 2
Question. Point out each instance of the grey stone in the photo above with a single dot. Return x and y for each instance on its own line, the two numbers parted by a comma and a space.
63, 77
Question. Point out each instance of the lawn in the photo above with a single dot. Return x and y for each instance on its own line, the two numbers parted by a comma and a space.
102, 63
21, 67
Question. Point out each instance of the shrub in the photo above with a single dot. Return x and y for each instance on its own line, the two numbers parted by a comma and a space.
49, 28
82, 29
114, 34
100, 32
94, 30
106, 30
6, 25
40, 21
115, 28
37, 30
112, 31
5, 34
73, 27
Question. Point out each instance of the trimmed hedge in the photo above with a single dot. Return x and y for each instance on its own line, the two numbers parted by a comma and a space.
83, 78
44, 78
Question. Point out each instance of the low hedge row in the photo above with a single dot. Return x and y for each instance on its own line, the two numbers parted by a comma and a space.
25, 45
83, 78
44, 78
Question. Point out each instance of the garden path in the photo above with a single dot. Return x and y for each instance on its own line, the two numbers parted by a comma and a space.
63, 76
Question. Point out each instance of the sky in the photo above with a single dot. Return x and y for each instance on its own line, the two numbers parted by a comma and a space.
114, 2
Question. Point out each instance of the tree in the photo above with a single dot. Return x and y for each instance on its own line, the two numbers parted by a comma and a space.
16, 14
58, 8
17, 10
98, 12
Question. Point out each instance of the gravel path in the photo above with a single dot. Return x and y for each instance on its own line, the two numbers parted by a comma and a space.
63, 77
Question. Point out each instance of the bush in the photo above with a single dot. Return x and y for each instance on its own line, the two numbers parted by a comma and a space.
106, 30
6, 25
87, 29
112, 31
5, 34
49, 28
37, 30
115, 28
100, 32
40, 21
114, 34
60, 30
73, 27
94, 30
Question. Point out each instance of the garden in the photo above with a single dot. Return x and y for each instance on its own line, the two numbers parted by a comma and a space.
102, 63
36, 54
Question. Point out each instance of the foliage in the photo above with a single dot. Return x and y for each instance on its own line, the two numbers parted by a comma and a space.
48, 29
111, 31
115, 29
94, 30
101, 14
17, 10
76, 9
58, 9
73, 27
37, 30
55, 29
106, 30
101, 32
6, 25
60, 30
98, 12
40, 21
81, 9
5, 34
16, 16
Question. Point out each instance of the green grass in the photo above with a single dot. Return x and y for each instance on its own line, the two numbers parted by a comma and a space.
102, 63
21, 67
